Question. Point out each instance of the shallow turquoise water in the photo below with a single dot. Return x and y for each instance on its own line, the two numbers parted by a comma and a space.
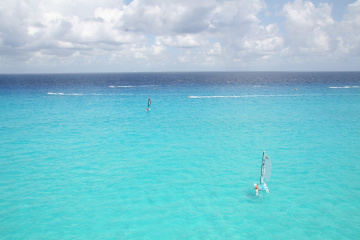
88, 162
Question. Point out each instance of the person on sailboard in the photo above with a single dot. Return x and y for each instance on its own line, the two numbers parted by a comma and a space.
256, 189
261, 188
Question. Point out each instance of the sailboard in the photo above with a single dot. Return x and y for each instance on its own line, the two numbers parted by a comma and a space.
265, 174
149, 104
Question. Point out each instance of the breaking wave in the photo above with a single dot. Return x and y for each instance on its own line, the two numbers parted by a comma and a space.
245, 96
346, 87
131, 86
65, 94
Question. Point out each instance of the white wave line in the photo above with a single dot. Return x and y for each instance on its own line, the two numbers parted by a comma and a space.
90, 94
131, 86
65, 94
346, 87
244, 96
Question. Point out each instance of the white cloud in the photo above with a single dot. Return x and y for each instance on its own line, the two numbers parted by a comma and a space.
164, 34
182, 41
108, 14
314, 36
308, 26
349, 31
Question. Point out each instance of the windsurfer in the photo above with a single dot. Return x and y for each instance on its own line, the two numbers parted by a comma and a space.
149, 104
256, 188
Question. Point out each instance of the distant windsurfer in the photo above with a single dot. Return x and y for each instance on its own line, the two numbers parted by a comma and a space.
149, 104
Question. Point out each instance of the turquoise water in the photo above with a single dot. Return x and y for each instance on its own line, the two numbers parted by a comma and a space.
82, 159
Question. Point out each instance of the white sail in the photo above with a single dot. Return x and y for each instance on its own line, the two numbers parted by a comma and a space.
267, 173
265, 169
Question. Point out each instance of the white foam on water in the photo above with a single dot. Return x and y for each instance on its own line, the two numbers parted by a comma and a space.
346, 87
130, 86
245, 96
66, 94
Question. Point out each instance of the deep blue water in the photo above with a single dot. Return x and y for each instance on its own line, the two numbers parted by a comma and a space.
82, 159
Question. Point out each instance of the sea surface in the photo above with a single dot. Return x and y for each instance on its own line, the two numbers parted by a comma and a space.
81, 158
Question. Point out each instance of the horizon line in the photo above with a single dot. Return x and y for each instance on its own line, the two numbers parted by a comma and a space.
148, 72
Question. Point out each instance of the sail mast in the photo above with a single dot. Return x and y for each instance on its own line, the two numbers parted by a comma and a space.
262, 169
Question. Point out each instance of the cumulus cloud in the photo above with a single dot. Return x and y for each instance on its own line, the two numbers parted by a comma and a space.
89, 35
348, 37
309, 27
314, 34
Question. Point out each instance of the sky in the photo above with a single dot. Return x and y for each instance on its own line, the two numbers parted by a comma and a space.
85, 36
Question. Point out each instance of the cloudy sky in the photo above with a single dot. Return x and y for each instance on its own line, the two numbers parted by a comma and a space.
57, 36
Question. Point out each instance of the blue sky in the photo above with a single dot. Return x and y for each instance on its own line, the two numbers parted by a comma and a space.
48, 36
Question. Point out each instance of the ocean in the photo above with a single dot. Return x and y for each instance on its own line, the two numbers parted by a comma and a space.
81, 158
